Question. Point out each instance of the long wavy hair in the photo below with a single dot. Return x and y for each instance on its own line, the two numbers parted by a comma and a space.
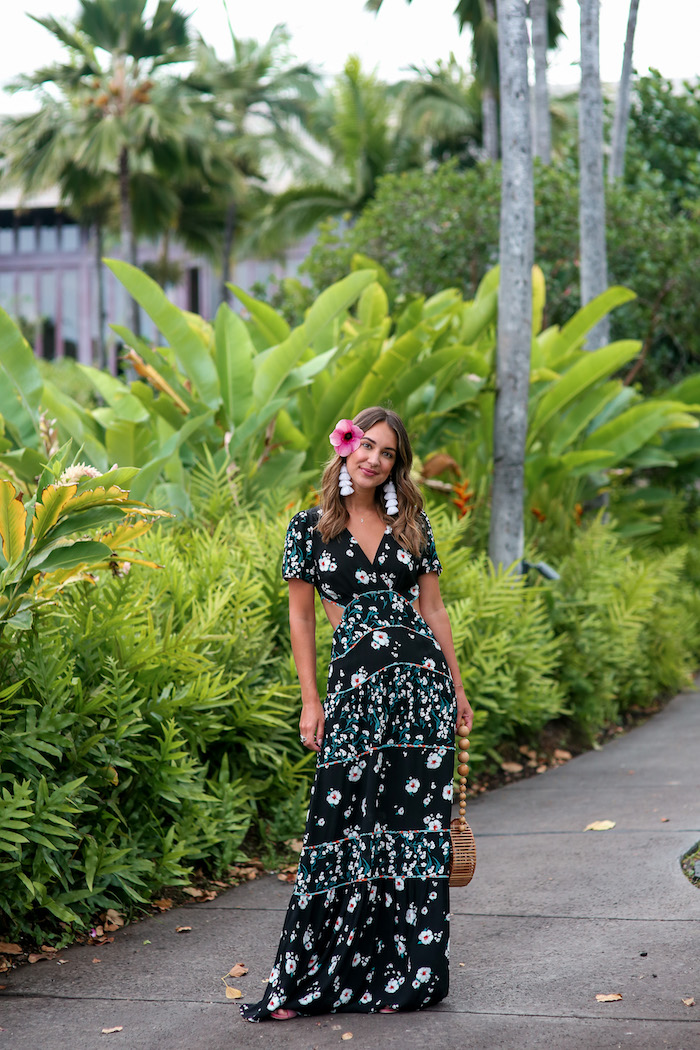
406, 525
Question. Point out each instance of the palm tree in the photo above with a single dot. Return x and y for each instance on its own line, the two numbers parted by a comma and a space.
127, 119
543, 135
482, 17
516, 253
354, 125
594, 263
616, 164
442, 113
259, 102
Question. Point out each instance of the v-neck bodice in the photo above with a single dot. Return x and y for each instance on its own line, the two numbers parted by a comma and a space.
341, 570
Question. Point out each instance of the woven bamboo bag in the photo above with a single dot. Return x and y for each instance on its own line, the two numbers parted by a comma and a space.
463, 851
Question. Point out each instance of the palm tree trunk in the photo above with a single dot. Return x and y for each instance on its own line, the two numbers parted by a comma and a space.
229, 229
594, 264
515, 290
489, 101
127, 227
101, 310
616, 165
543, 134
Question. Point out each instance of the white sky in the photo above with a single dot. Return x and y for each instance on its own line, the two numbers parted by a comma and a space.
324, 32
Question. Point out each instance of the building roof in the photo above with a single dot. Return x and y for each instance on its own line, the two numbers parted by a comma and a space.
12, 199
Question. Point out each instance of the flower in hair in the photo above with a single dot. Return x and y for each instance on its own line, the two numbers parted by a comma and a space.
346, 437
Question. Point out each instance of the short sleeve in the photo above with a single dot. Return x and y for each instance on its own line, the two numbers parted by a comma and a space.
429, 561
297, 560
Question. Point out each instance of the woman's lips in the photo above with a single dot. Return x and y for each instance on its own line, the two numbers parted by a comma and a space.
369, 473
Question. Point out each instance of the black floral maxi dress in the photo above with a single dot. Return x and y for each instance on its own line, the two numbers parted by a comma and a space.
368, 923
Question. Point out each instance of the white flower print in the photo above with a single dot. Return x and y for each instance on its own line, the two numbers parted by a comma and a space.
354, 773
351, 936
432, 823
273, 1003
346, 995
400, 945
338, 923
425, 937
326, 563
414, 591
334, 962
274, 974
392, 985
366, 998
313, 965
361, 575
333, 797
353, 902
379, 638
308, 938
399, 882
290, 963
306, 999
423, 974
447, 792
412, 785
411, 915
357, 679
404, 557
356, 959
429, 664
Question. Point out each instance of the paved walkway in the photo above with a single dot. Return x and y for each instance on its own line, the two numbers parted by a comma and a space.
554, 916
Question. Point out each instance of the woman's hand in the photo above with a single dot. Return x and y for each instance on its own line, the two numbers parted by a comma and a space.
311, 725
465, 715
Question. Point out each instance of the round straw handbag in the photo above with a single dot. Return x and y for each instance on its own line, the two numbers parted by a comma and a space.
463, 851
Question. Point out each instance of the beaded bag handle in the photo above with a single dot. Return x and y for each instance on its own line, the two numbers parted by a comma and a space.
463, 852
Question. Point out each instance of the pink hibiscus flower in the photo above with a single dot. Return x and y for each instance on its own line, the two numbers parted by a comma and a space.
346, 437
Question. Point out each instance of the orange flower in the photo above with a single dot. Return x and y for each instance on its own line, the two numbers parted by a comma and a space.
538, 514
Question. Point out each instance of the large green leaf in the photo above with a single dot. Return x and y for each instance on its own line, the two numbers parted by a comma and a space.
234, 362
273, 367
20, 384
590, 368
75, 423
13, 519
149, 474
190, 348
580, 415
634, 428
272, 327
396, 356
478, 316
82, 552
575, 331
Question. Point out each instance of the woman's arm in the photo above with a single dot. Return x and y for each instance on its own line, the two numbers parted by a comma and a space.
302, 630
433, 611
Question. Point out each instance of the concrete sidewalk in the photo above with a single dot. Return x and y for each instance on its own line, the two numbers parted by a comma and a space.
554, 916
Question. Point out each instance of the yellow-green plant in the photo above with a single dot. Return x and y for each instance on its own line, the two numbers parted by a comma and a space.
67, 530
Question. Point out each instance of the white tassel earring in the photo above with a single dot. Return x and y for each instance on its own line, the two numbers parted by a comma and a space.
390, 499
345, 481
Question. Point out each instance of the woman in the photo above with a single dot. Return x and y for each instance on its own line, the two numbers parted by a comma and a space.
367, 927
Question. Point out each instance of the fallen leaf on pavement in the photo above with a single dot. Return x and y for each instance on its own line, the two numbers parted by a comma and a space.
192, 891
113, 920
162, 904
48, 950
97, 960
117, 1028
237, 970
541, 769
9, 949
233, 993
561, 754
612, 998
600, 825
182, 929
511, 767
346, 1035
4, 965
689, 1002
37, 957
665, 820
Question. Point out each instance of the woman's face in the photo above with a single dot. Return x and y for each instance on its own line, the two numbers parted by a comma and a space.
371, 464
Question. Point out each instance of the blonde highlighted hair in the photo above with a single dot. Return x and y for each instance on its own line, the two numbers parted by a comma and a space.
407, 525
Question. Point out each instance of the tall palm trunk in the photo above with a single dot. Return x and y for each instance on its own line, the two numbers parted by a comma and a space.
616, 165
515, 289
489, 102
543, 133
594, 264
101, 311
227, 248
127, 228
